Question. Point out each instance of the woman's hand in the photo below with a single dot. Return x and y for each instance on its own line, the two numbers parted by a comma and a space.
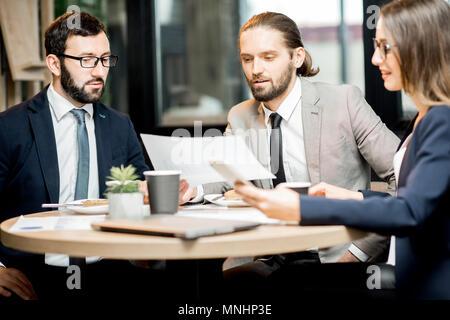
279, 203
329, 191
185, 193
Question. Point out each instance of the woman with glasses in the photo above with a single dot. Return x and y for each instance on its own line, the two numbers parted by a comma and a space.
412, 51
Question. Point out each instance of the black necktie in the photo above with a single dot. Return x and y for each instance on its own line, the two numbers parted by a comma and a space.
276, 150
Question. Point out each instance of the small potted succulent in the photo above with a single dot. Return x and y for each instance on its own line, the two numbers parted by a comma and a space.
125, 199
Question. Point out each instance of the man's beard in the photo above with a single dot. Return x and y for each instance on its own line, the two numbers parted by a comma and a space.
79, 94
277, 89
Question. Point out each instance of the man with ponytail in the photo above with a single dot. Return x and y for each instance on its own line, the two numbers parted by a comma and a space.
326, 132
412, 53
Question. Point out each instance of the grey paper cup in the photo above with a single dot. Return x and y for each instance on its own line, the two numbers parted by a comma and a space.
163, 190
300, 187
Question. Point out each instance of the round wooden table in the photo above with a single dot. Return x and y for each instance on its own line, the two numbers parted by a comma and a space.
264, 240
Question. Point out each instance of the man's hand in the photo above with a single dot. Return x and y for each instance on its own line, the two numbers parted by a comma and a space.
279, 203
348, 257
144, 189
329, 191
185, 194
12, 280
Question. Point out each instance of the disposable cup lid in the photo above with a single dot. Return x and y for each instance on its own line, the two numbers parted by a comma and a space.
162, 172
296, 184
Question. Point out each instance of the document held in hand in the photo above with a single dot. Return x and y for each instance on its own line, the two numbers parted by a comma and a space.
193, 157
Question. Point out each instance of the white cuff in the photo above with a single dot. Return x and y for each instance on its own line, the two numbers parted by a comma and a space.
62, 260
2, 265
391, 256
358, 253
199, 196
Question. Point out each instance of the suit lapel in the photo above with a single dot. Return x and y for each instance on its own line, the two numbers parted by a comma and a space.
408, 131
404, 167
311, 118
44, 135
104, 155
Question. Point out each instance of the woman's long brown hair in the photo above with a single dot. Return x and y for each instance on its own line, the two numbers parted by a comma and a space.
421, 32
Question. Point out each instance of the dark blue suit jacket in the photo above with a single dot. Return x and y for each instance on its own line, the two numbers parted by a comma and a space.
29, 174
419, 216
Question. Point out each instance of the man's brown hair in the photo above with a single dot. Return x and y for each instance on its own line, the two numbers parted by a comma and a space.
291, 34
61, 29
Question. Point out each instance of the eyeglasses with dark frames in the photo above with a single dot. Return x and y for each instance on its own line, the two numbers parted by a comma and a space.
92, 61
383, 46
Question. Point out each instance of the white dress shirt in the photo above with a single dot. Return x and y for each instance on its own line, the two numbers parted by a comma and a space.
294, 156
398, 159
65, 128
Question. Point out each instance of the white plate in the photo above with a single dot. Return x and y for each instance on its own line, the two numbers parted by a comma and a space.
220, 200
88, 210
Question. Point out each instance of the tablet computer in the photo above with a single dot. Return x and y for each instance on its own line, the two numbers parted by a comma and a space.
175, 226
229, 172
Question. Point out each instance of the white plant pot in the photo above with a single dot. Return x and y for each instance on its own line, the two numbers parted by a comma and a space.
126, 205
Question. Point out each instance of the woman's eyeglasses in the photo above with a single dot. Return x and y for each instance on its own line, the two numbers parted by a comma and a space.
383, 46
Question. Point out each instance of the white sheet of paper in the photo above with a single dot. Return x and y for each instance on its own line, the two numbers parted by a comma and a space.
34, 224
55, 223
214, 212
192, 157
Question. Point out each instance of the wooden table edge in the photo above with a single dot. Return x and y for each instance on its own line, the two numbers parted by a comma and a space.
110, 245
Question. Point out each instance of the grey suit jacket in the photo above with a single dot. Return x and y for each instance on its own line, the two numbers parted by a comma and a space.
343, 138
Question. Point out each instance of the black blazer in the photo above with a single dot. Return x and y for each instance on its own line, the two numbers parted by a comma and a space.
419, 216
29, 174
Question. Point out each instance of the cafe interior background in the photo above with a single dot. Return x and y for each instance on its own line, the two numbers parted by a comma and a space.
178, 59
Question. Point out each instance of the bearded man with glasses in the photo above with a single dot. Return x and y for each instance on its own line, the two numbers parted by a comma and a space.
58, 147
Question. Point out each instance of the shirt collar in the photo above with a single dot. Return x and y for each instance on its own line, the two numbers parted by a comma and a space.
288, 105
61, 106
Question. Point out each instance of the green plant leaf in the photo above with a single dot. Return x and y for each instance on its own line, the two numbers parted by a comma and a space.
126, 178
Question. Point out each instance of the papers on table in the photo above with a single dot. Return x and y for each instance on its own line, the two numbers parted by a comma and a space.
192, 157
212, 211
209, 211
55, 223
